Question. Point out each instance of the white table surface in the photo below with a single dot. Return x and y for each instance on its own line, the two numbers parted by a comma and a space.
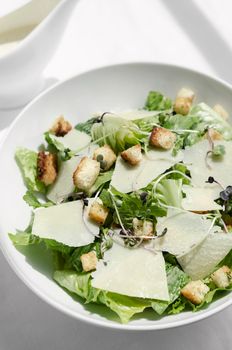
191, 33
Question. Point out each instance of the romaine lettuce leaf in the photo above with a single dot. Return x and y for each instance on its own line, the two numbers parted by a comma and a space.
56, 146
116, 132
23, 238
27, 162
102, 179
31, 199
87, 126
26, 238
80, 284
157, 102
169, 192
208, 118
176, 279
73, 261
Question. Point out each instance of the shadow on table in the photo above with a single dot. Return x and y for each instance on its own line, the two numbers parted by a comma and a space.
203, 34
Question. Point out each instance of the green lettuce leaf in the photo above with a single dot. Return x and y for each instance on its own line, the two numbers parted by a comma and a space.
87, 126
116, 132
178, 122
102, 179
210, 296
132, 205
27, 162
176, 279
73, 261
157, 102
208, 118
169, 192
22, 238
56, 146
80, 284
31, 199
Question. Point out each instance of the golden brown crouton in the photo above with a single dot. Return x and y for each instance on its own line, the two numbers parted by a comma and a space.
89, 261
195, 291
46, 167
183, 101
132, 155
98, 212
214, 134
86, 173
142, 228
222, 277
105, 156
162, 138
221, 111
61, 127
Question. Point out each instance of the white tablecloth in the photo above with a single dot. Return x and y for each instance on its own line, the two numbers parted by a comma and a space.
191, 33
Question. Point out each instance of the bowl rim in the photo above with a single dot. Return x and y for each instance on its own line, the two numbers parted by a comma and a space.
87, 319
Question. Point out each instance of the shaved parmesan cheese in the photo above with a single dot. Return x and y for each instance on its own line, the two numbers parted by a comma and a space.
185, 230
64, 223
137, 114
201, 199
133, 272
219, 169
127, 178
64, 185
131, 114
74, 140
200, 262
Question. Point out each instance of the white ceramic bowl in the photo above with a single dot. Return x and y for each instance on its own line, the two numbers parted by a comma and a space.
122, 86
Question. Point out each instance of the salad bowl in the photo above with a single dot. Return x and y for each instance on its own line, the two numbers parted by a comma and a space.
117, 87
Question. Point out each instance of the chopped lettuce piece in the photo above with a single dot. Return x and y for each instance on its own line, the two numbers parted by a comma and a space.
31, 199
116, 132
73, 260
87, 126
102, 179
27, 162
208, 118
157, 102
26, 238
169, 192
74, 140
176, 279
23, 238
80, 284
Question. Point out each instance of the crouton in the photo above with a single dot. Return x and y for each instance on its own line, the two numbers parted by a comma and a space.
221, 111
46, 167
162, 138
222, 277
195, 291
86, 173
61, 127
132, 155
89, 261
105, 156
183, 101
98, 212
214, 134
142, 228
